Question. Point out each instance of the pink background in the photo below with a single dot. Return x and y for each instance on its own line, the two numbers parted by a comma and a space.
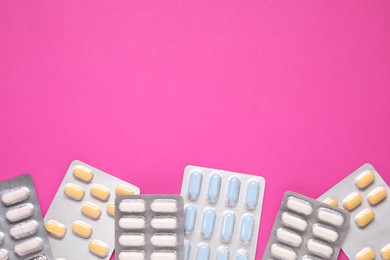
295, 91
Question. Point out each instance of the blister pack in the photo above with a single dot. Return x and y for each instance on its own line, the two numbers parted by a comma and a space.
306, 229
149, 227
81, 219
22, 232
363, 193
222, 213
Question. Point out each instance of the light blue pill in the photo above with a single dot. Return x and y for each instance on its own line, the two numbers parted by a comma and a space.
247, 224
242, 255
233, 191
189, 218
187, 249
214, 188
252, 194
203, 252
223, 253
208, 223
194, 185
227, 228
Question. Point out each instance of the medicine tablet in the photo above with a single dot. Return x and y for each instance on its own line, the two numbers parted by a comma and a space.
123, 190
299, 206
247, 226
330, 216
203, 252
352, 201
294, 221
364, 218
164, 223
282, 252
29, 246
376, 196
98, 248
82, 229
227, 227
20, 212
91, 210
325, 233
132, 239
4, 255
233, 192
100, 192
320, 249
289, 237
163, 255
385, 252
24, 229
55, 229
332, 201
132, 206
252, 194
15, 196
364, 179
366, 254
74, 191
83, 173
164, 206
214, 188
189, 218
208, 223
132, 222
222, 253
242, 255
132, 255
1, 237
111, 209
164, 240
194, 185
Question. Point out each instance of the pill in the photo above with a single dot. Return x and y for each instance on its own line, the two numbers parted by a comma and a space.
132, 222
299, 205
29, 246
187, 250
364, 179
377, 196
1, 238
189, 219
55, 229
288, 237
83, 173
164, 223
208, 222
203, 252
82, 229
91, 210
252, 194
164, 240
329, 216
164, 206
15, 196
366, 254
233, 192
111, 209
308, 257
131, 255
325, 233
132, 239
194, 185
163, 255
293, 221
352, 201
21, 212
282, 252
242, 255
100, 192
214, 188
247, 226
24, 229
132, 206
332, 202
319, 248
227, 228
223, 253
74, 191
364, 218
123, 190
4, 255
385, 252
98, 248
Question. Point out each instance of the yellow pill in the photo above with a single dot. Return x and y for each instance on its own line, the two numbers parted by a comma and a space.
366, 254
82, 229
98, 248
364, 218
364, 179
55, 229
123, 190
83, 173
91, 210
100, 192
352, 201
332, 202
74, 192
377, 196
111, 209
385, 252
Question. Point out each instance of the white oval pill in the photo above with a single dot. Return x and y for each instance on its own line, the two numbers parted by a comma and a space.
1, 237
132, 255
293, 221
132, 239
330, 216
319, 248
132, 206
325, 233
20, 212
4, 254
29, 246
166, 223
163, 255
15, 196
282, 252
299, 205
288, 237
164, 206
24, 229
164, 240
132, 222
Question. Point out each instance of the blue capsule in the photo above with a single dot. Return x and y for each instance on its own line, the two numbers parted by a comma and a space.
233, 191
252, 194
194, 186
214, 188
227, 228
222, 253
208, 223
189, 218
242, 255
203, 252
247, 224
187, 249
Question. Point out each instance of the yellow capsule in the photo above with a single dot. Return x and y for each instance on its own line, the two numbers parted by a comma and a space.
91, 210
364, 218
377, 196
83, 173
385, 252
111, 209
55, 229
74, 192
352, 201
100, 192
332, 202
82, 229
364, 179
366, 254
123, 190
98, 248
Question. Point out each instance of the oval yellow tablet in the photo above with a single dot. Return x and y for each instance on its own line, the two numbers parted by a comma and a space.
364, 179
100, 192
385, 252
377, 196
83, 173
55, 229
364, 218
91, 210
111, 209
123, 190
98, 248
332, 202
366, 254
74, 192
82, 229
352, 201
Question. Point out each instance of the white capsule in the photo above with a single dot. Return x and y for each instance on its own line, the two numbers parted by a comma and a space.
325, 233
288, 237
1, 238
299, 205
132, 255
293, 221
319, 249
163, 255
132, 240
132, 206
132, 222
330, 216
164, 206
4, 255
24, 229
15, 196
164, 240
21, 212
166, 223
29, 246
282, 252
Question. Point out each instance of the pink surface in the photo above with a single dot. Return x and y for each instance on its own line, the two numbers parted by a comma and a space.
295, 91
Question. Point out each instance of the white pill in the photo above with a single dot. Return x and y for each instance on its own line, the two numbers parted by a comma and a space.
282, 252
132, 222
132, 206
29, 246
319, 249
20, 212
330, 216
132, 240
293, 221
299, 205
24, 229
15, 196
163, 255
167, 223
164, 206
132, 255
164, 240
4, 254
325, 233
288, 237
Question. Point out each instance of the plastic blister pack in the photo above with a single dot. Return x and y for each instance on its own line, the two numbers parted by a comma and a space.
306, 229
22, 232
81, 219
221, 213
